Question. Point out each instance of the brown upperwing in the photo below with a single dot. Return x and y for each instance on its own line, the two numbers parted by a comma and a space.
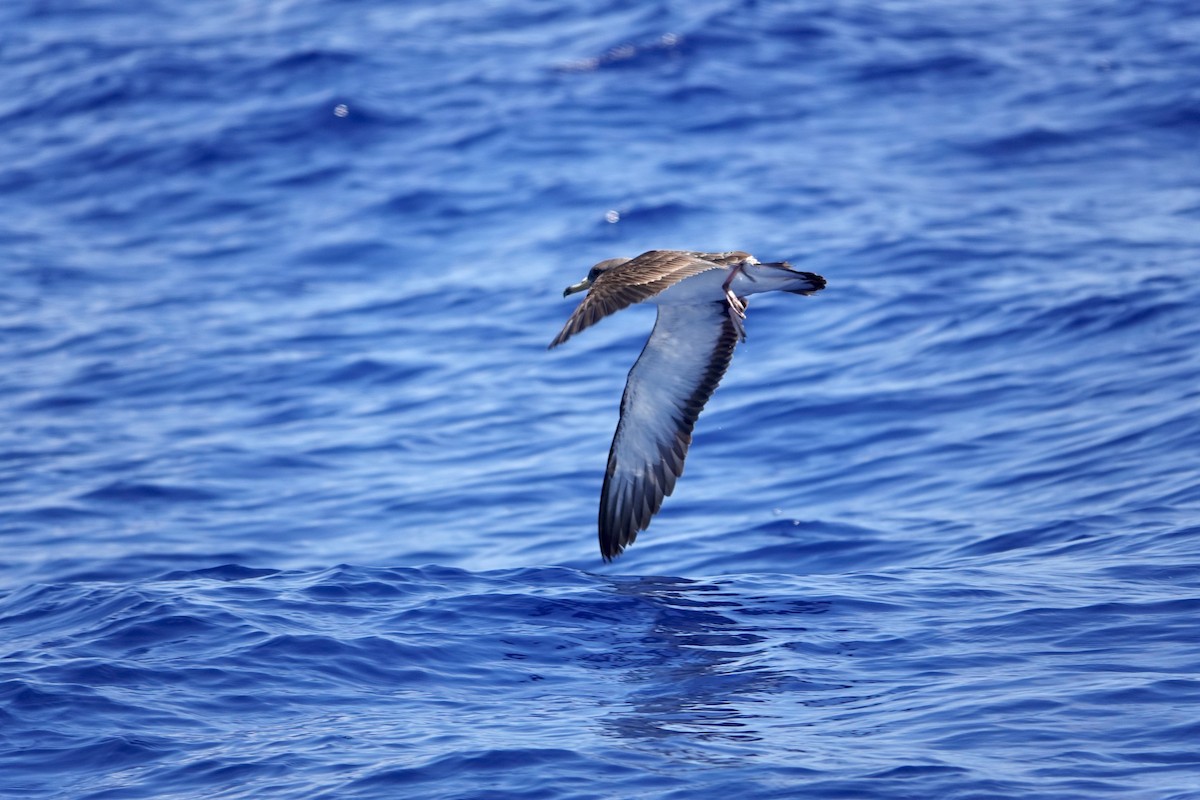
640, 279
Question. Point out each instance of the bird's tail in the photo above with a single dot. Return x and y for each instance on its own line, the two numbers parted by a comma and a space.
792, 280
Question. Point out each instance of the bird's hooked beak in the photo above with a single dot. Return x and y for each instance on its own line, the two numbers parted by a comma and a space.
586, 283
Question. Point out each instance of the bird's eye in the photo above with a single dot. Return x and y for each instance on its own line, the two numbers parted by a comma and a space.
593, 274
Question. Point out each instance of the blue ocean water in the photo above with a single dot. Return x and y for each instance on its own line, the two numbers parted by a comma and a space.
294, 503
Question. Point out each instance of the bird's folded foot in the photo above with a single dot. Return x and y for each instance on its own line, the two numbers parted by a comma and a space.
737, 313
736, 304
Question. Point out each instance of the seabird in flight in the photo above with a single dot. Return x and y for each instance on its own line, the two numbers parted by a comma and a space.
701, 299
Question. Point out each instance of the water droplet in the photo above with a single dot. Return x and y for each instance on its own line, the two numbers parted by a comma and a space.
612, 216
341, 110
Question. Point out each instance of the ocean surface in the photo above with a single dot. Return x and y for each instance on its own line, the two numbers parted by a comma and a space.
295, 503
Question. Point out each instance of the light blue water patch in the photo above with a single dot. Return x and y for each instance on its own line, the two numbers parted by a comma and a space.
294, 502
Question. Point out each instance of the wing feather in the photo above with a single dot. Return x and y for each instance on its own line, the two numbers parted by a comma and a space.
638, 280
683, 361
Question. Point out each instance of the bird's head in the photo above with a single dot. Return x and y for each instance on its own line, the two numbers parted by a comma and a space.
593, 273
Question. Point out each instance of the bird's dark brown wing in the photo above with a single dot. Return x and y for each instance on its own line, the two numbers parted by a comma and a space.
640, 279
683, 361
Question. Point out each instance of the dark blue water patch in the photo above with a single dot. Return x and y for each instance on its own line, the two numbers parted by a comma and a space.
1027, 142
61, 403
124, 492
224, 572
